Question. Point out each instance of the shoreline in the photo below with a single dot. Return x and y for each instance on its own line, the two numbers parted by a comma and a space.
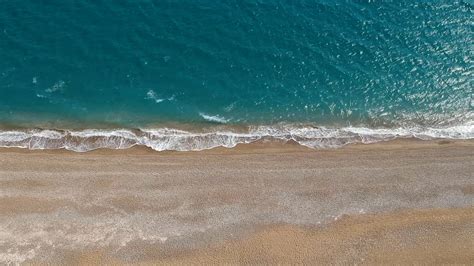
263, 146
223, 205
175, 139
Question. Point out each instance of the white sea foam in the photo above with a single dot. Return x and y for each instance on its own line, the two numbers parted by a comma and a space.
214, 118
161, 139
151, 95
58, 86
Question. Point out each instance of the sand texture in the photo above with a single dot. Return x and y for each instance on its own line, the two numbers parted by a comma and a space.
403, 201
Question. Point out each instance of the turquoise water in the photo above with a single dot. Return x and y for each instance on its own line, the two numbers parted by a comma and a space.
403, 67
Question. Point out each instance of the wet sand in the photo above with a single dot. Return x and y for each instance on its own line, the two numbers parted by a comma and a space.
402, 201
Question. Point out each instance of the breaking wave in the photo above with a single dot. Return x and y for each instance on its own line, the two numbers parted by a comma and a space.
214, 118
180, 140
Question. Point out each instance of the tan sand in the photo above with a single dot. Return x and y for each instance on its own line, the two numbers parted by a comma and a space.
428, 237
423, 237
398, 202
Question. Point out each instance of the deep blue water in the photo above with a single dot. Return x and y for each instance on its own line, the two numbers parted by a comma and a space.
377, 64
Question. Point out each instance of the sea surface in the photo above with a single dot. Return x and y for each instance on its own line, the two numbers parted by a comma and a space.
197, 74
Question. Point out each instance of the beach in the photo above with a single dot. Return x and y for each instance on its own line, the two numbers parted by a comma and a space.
402, 201
236, 132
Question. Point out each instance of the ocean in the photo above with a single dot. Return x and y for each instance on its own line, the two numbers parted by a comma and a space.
197, 74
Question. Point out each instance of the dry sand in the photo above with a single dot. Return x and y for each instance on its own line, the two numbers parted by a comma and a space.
397, 202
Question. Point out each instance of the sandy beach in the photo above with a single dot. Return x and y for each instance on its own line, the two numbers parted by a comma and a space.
404, 201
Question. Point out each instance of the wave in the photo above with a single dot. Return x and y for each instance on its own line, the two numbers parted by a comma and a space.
214, 118
180, 140
151, 95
